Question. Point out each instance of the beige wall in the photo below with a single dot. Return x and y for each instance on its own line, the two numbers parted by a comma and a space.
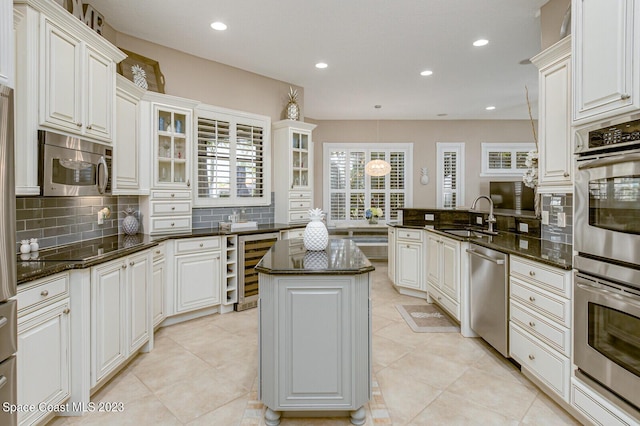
551, 16
424, 134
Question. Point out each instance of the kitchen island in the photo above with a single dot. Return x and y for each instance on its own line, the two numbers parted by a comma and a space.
315, 331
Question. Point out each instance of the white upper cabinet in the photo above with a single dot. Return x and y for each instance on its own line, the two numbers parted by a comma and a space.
554, 117
7, 44
606, 56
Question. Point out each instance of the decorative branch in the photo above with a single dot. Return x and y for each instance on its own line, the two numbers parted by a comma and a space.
533, 128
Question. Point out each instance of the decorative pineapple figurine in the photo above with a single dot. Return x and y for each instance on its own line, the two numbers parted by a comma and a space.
424, 175
316, 236
293, 109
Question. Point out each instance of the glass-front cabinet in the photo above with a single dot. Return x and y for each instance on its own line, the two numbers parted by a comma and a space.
172, 143
300, 175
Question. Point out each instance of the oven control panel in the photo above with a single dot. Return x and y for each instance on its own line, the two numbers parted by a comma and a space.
624, 133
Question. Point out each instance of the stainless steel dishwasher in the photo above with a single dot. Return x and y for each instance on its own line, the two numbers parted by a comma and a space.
489, 296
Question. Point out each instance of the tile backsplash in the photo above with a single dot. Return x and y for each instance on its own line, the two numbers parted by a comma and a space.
556, 205
63, 220
209, 217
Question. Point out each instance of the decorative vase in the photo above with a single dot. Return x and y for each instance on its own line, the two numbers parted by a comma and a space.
25, 247
33, 244
373, 220
130, 224
316, 236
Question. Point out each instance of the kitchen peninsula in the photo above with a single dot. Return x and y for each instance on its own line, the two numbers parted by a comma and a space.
315, 331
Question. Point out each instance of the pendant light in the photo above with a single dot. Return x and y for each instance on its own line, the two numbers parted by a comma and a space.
377, 167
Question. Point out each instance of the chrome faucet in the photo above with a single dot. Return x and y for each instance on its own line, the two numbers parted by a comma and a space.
491, 219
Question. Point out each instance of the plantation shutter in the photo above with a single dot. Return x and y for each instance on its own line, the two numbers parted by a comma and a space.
450, 175
213, 159
249, 161
502, 159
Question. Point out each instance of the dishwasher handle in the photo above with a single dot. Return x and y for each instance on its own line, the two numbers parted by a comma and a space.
485, 257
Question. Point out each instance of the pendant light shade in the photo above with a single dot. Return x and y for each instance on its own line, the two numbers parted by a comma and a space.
377, 168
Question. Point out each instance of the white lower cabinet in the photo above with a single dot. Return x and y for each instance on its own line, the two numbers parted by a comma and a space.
159, 277
44, 359
539, 323
597, 409
120, 318
443, 272
391, 254
409, 260
198, 273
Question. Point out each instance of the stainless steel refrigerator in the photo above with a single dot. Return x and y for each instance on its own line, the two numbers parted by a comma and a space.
8, 261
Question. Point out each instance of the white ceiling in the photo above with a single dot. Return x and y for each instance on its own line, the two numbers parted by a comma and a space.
375, 50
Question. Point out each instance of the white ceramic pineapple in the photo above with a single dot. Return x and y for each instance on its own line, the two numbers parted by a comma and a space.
293, 109
316, 236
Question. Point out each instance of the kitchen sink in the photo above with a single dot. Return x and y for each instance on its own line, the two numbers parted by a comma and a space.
467, 233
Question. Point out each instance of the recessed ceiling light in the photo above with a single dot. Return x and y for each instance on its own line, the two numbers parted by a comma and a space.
218, 26
426, 72
442, 115
490, 108
480, 42
321, 65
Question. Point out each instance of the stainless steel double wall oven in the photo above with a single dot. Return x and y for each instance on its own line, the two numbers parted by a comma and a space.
607, 240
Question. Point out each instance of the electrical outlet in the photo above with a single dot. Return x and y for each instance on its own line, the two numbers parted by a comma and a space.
524, 227
478, 220
562, 219
429, 217
545, 217
100, 218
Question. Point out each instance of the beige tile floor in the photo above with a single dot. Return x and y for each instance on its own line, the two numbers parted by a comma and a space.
203, 372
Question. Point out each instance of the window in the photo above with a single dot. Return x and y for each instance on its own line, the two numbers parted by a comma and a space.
232, 159
348, 191
505, 159
450, 191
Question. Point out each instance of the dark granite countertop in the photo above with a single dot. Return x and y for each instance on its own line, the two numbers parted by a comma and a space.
341, 257
554, 254
85, 254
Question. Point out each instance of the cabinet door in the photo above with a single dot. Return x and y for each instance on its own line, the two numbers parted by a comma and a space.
158, 292
172, 147
433, 262
44, 352
7, 45
450, 267
555, 124
61, 101
606, 74
108, 318
391, 255
127, 145
197, 281
408, 269
99, 95
139, 286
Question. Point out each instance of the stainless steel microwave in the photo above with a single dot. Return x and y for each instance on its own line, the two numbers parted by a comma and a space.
71, 166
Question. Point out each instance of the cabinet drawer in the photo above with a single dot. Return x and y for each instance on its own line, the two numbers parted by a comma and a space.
441, 299
299, 217
297, 195
169, 208
546, 364
596, 408
299, 204
171, 224
297, 249
293, 233
158, 251
551, 279
197, 244
554, 335
545, 303
40, 293
171, 195
409, 234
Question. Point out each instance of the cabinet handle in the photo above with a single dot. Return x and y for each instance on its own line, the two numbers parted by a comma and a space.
625, 96
172, 224
532, 357
188, 182
532, 299
79, 124
89, 127
157, 251
44, 293
533, 274
132, 263
173, 207
66, 311
532, 324
566, 174
173, 195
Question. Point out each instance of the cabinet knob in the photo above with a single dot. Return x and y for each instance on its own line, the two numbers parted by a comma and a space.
532, 273
201, 245
157, 251
132, 263
532, 357
188, 182
173, 195
407, 245
79, 124
89, 127
532, 324
44, 293
124, 266
532, 299
439, 297
173, 224
301, 205
566, 174
301, 195
173, 207
66, 311
625, 96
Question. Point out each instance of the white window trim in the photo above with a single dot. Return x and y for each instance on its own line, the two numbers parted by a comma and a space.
327, 147
442, 147
504, 147
234, 117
